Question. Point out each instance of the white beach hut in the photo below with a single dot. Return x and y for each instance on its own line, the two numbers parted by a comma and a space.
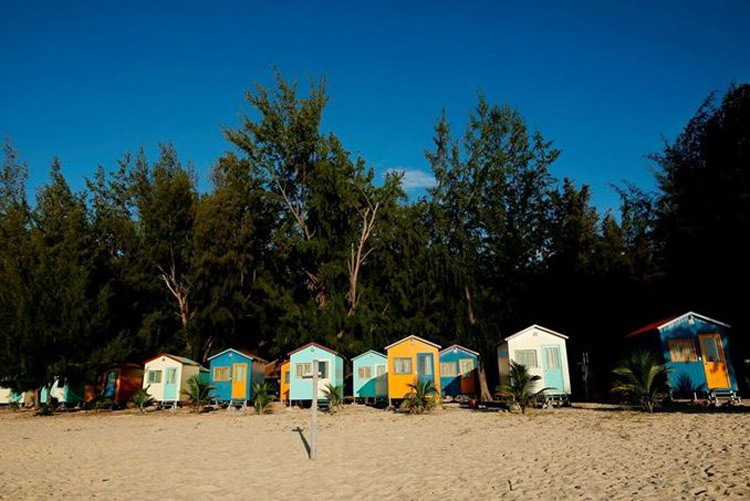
7, 396
543, 351
165, 377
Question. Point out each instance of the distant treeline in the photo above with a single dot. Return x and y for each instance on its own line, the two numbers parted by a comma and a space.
295, 241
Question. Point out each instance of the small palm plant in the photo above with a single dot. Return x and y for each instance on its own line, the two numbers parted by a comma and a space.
642, 379
198, 392
421, 398
142, 399
335, 396
521, 386
262, 397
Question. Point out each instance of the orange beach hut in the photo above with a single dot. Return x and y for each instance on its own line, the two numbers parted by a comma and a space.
284, 382
410, 360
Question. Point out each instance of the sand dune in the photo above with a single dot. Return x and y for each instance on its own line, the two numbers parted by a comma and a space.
366, 454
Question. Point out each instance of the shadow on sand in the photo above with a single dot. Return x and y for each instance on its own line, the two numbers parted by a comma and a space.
672, 408
304, 440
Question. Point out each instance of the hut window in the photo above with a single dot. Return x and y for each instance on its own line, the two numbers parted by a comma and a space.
682, 350
171, 376
467, 365
364, 372
286, 377
303, 369
380, 369
527, 358
449, 369
402, 365
221, 373
154, 377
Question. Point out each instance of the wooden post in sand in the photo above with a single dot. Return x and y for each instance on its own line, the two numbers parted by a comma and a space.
314, 410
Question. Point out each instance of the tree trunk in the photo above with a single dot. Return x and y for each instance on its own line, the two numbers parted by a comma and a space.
470, 305
484, 390
180, 289
37, 398
359, 254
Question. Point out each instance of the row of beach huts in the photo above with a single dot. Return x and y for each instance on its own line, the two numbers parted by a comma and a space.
695, 349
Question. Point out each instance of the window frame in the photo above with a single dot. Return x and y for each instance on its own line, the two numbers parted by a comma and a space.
223, 368
361, 369
675, 347
525, 351
463, 361
410, 364
307, 370
324, 367
152, 372
449, 373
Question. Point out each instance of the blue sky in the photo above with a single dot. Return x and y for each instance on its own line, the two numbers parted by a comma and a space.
89, 81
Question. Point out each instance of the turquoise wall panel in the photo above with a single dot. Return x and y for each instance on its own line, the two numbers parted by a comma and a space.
373, 387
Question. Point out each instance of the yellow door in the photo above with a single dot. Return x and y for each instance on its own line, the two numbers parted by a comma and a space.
239, 381
714, 362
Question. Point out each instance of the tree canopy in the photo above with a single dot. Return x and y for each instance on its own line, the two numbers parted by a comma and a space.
297, 240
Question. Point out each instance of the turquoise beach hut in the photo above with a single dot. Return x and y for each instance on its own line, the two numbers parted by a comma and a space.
696, 350
370, 380
331, 371
232, 374
66, 393
458, 371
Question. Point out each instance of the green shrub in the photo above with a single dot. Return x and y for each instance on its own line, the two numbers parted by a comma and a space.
262, 397
521, 386
142, 399
421, 398
198, 392
642, 379
335, 396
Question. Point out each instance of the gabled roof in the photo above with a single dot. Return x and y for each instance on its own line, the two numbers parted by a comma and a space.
367, 353
243, 353
458, 347
182, 360
412, 337
537, 327
317, 346
660, 324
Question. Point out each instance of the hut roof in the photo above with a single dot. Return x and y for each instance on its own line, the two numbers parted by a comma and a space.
412, 337
458, 347
317, 346
182, 360
241, 352
660, 324
538, 327
368, 352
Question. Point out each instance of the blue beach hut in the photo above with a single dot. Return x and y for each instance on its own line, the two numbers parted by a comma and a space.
370, 380
458, 371
232, 373
696, 351
331, 371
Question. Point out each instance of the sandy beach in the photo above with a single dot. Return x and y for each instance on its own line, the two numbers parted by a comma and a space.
367, 453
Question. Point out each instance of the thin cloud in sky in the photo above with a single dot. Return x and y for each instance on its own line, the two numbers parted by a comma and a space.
414, 179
